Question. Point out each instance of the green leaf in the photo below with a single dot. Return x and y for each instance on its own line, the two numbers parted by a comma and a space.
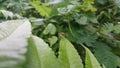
105, 56
40, 55
7, 13
60, 4
107, 28
82, 21
90, 60
13, 42
50, 29
92, 18
86, 38
89, 5
37, 21
41, 8
117, 28
103, 66
68, 55
10, 14
52, 40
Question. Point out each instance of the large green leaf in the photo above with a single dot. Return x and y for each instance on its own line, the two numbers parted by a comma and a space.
13, 42
68, 55
40, 55
90, 60
105, 56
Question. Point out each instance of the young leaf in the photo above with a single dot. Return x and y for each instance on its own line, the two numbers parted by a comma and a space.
50, 29
52, 40
13, 42
68, 55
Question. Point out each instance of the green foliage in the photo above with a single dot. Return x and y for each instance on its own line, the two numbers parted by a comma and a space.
50, 29
89, 5
24, 50
43, 56
102, 50
94, 23
9, 14
66, 55
52, 40
90, 60
108, 28
41, 8
82, 20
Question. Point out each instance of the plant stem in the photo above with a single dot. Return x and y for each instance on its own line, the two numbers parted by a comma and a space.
69, 26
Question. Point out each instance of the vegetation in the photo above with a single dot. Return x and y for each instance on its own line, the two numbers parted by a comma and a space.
59, 34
